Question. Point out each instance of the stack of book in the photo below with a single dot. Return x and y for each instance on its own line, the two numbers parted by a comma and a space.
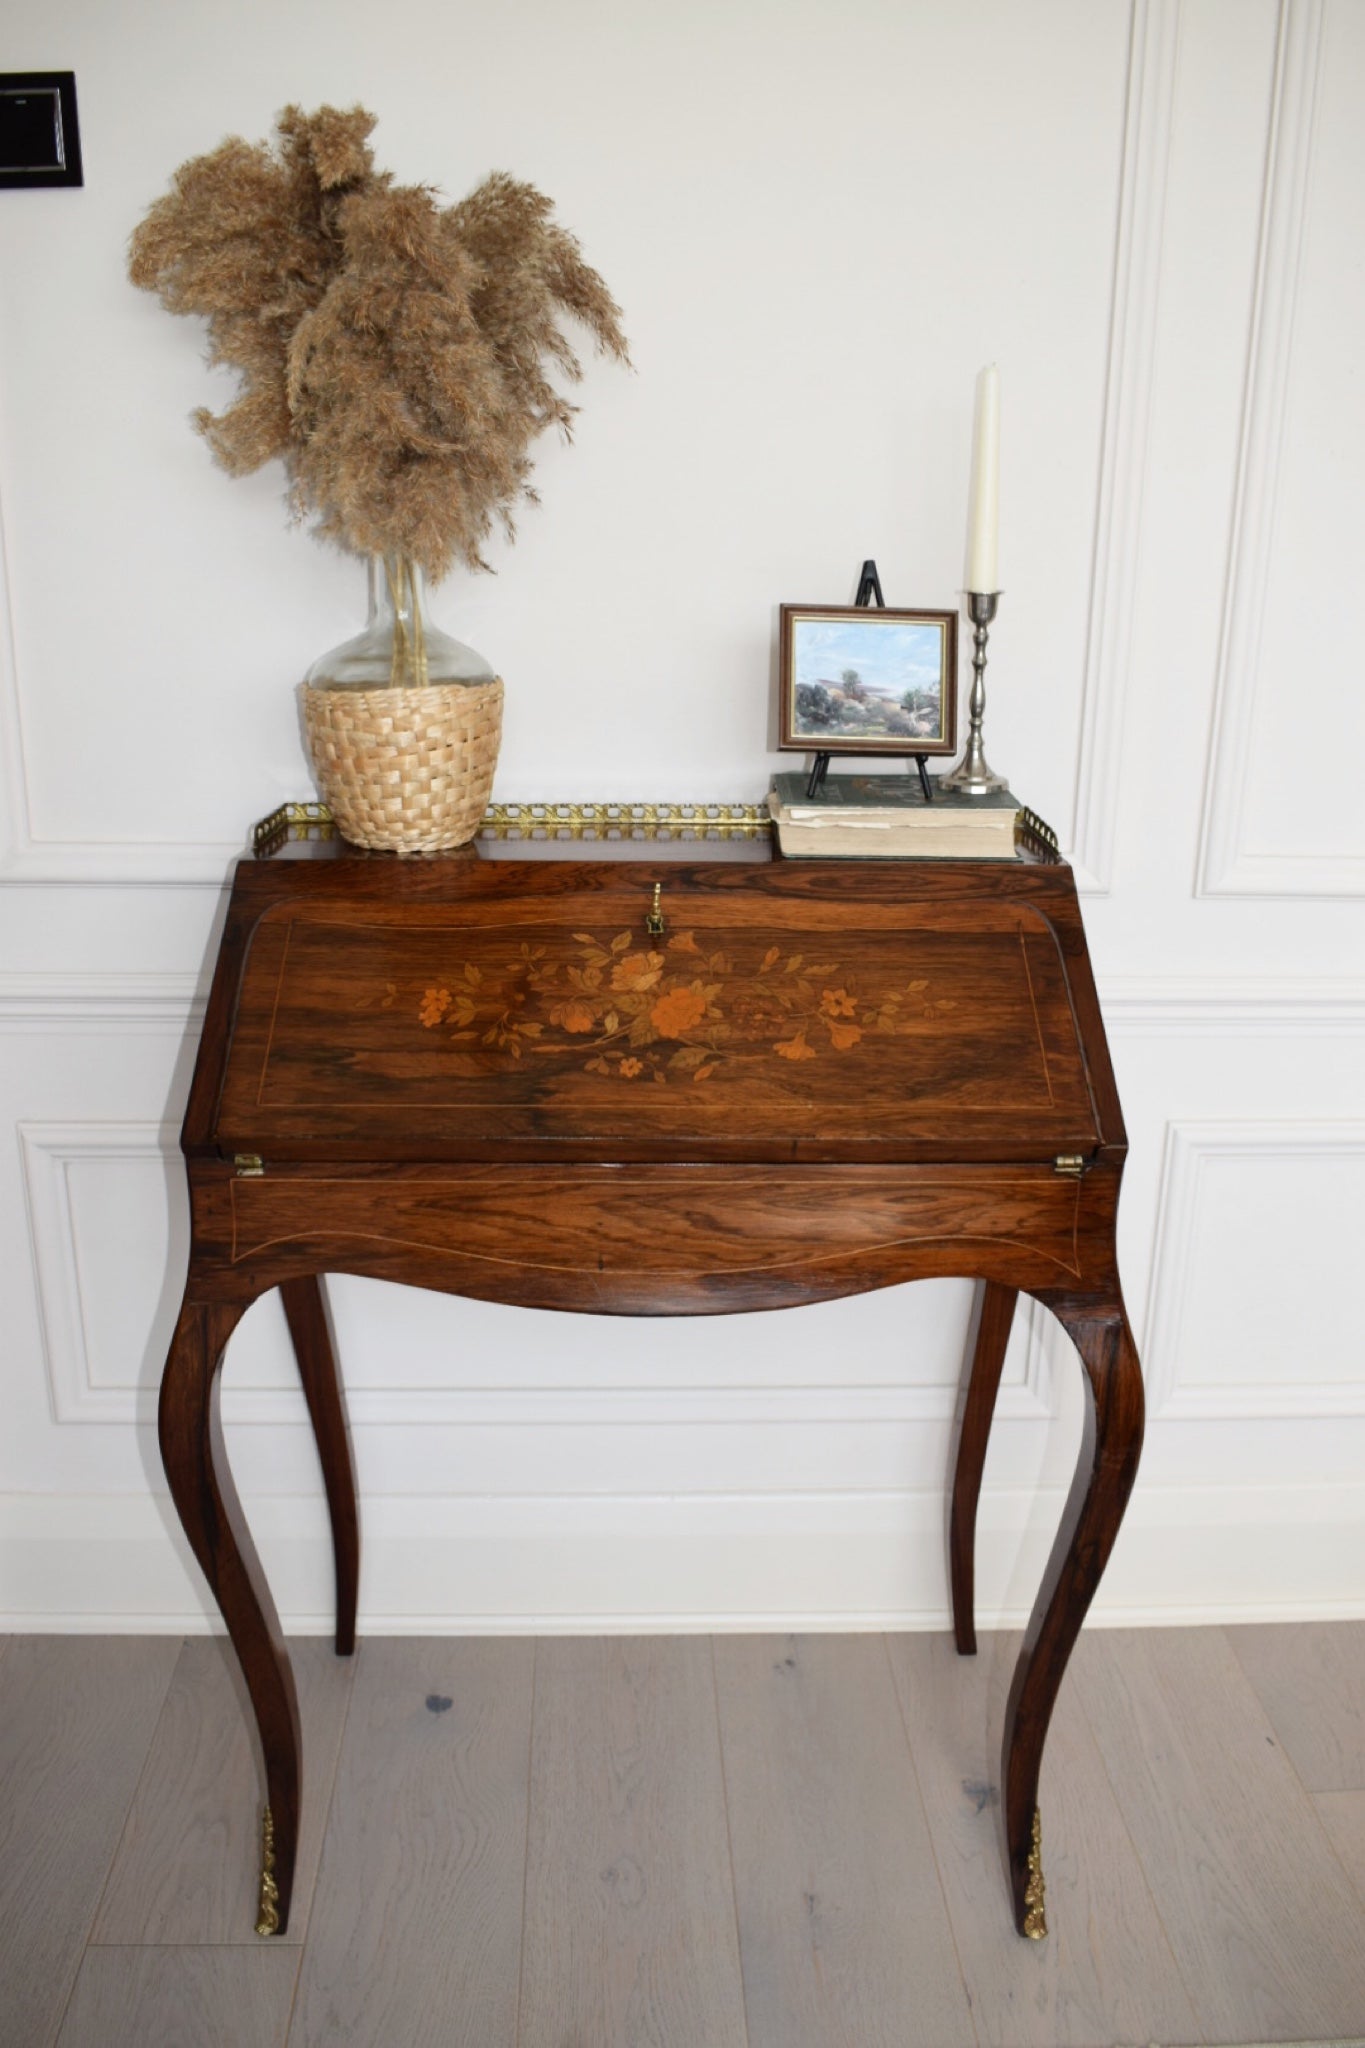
870, 817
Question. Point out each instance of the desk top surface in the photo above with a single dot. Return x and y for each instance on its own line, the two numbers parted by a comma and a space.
475, 1009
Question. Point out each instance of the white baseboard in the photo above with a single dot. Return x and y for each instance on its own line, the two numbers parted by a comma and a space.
607, 1564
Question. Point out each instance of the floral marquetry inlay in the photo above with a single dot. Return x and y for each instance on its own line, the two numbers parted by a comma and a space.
753, 1019
673, 1014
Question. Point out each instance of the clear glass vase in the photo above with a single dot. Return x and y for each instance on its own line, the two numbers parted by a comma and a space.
399, 647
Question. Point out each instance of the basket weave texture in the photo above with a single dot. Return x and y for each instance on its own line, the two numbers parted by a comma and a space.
409, 770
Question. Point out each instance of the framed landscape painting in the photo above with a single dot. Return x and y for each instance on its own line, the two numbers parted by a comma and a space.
855, 680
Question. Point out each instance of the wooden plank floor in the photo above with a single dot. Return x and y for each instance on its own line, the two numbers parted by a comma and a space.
671, 1842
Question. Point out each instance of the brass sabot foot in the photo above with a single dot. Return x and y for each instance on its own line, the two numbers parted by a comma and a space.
268, 1917
1035, 1911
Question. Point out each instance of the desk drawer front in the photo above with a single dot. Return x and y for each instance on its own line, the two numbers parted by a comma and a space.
662, 1240
752, 1023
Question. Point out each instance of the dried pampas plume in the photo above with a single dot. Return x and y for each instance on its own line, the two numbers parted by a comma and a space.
393, 352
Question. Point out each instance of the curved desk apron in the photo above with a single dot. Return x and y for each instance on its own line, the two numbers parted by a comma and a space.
650, 1088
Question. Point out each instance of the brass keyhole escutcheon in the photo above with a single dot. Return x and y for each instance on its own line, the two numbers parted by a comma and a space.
654, 923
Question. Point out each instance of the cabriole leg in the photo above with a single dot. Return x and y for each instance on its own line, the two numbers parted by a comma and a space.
994, 1315
306, 1313
1110, 1448
206, 1500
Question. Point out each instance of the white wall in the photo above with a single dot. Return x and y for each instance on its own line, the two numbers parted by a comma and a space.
820, 219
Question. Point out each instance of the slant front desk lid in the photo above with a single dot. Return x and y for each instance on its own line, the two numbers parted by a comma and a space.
485, 1011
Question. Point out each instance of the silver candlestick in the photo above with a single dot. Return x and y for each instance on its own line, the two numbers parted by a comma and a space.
973, 775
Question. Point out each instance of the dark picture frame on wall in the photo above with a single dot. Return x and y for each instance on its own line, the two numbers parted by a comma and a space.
40, 137
858, 680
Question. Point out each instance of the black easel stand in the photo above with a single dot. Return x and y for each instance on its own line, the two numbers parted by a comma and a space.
869, 595
870, 587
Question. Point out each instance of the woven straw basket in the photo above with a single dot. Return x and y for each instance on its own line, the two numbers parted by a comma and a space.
405, 769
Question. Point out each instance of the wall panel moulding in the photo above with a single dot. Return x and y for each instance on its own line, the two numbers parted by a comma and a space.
1246, 745
1232, 1006
1241, 1205
626, 1563
99, 1002
1116, 558
24, 857
99, 1199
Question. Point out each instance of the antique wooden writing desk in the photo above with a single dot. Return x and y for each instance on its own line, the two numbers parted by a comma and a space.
637, 1087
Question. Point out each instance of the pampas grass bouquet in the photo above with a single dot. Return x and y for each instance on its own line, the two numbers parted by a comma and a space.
397, 356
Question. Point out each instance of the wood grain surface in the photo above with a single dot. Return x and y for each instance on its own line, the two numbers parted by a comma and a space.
1198, 1890
992, 1319
415, 1934
630, 1920
1106, 1467
754, 1087
655, 1240
1343, 1816
189, 1863
182, 1998
1106, 1971
1264, 1923
76, 1727
310, 1333
843, 1931
526, 1026
1310, 1678
479, 1009
194, 1454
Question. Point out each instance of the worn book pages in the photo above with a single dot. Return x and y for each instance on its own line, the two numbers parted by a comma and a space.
886, 817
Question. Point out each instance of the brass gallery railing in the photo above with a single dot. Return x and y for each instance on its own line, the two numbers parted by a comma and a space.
605, 821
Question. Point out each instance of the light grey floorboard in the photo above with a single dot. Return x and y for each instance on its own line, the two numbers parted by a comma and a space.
630, 1932
844, 1934
1310, 1678
1343, 1816
188, 1866
1167, 1794
415, 1934
1264, 1922
182, 1998
76, 1720
1105, 1973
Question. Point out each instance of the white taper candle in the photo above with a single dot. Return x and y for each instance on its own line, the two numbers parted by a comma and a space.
984, 520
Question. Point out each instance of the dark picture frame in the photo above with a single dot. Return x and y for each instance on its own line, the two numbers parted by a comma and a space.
40, 137
856, 679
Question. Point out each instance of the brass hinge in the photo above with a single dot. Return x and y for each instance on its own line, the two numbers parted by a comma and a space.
249, 1165
1072, 1164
